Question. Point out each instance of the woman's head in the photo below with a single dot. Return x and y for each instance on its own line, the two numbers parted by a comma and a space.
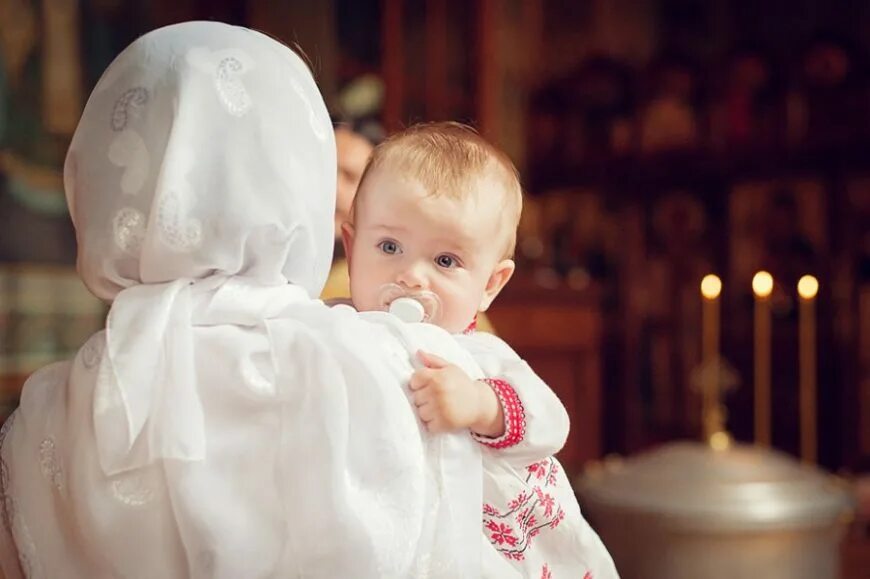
354, 150
205, 149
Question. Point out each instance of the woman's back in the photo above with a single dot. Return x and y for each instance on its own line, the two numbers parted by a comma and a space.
225, 424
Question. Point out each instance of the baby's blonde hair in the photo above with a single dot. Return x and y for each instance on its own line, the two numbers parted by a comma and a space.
445, 157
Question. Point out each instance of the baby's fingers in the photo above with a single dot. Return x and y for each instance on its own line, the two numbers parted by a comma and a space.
419, 379
431, 360
426, 412
422, 396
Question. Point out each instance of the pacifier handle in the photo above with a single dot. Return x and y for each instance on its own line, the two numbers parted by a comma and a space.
408, 310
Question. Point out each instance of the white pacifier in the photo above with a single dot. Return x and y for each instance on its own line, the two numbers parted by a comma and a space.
409, 305
408, 310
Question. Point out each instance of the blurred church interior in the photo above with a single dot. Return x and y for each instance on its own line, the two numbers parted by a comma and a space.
659, 142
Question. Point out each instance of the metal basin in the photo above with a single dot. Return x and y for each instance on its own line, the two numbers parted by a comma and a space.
685, 511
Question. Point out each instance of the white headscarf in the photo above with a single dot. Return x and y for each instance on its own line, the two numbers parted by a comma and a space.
226, 424
200, 157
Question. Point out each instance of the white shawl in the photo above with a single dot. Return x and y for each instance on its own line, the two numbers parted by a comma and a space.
225, 424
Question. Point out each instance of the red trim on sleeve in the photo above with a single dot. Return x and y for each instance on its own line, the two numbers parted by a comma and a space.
514, 416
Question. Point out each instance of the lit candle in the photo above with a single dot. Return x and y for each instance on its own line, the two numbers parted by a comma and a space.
808, 288
711, 287
762, 287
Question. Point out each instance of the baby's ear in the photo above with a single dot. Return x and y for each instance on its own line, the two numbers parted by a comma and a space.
347, 234
497, 280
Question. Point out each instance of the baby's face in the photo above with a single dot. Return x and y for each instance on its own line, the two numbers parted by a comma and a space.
447, 251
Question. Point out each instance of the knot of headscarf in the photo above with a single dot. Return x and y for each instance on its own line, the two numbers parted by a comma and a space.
146, 404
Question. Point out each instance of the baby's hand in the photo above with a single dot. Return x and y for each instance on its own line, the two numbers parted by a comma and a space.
448, 400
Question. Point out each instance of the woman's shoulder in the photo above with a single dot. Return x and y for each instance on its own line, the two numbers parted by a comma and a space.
43, 390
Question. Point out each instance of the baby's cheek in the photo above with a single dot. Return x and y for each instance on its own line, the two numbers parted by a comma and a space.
357, 289
366, 289
459, 312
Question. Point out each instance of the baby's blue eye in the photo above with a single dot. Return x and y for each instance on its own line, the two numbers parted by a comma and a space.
446, 261
389, 247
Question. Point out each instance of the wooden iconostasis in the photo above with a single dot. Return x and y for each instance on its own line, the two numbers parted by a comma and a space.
644, 186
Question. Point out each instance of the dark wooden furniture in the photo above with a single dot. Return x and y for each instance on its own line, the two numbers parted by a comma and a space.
558, 332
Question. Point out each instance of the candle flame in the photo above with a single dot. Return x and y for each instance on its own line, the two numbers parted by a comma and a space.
711, 286
762, 284
720, 441
808, 287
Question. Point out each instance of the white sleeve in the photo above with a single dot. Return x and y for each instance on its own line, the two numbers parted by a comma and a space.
316, 465
536, 422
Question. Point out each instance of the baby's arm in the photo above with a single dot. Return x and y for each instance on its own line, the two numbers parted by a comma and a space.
536, 423
447, 399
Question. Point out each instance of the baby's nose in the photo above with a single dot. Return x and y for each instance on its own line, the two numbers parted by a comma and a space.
412, 277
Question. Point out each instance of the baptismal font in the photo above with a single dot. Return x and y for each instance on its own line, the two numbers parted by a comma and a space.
716, 509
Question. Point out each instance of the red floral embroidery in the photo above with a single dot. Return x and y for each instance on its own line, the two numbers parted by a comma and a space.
472, 327
551, 476
560, 516
588, 575
520, 500
545, 501
532, 511
522, 516
514, 416
538, 469
501, 533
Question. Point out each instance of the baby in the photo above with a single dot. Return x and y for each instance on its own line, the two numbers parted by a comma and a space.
435, 220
